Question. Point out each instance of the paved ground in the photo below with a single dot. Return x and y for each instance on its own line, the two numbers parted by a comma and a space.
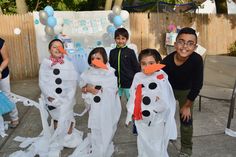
209, 124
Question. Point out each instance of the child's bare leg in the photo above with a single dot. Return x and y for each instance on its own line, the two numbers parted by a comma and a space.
71, 128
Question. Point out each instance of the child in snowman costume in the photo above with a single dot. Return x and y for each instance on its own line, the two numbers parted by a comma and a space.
58, 82
100, 92
152, 106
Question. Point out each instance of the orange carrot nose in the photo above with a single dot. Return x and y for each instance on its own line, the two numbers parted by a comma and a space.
99, 64
152, 68
62, 50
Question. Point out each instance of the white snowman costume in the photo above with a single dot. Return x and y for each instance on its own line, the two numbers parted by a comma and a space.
104, 113
157, 109
58, 81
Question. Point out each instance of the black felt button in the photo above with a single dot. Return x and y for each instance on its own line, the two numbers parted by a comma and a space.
97, 99
146, 113
98, 87
152, 85
146, 100
58, 90
58, 81
51, 107
56, 71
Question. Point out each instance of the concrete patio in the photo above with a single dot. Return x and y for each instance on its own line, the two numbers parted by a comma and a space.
209, 124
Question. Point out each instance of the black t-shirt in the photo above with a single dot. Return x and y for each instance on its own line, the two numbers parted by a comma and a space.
188, 76
5, 71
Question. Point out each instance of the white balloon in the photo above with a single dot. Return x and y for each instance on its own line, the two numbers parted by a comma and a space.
116, 10
124, 15
17, 31
43, 15
58, 29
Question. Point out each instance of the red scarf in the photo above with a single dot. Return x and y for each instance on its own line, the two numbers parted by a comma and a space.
137, 102
57, 60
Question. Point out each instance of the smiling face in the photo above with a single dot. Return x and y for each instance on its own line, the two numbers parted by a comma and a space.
97, 56
54, 49
185, 45
147, 60
121, 41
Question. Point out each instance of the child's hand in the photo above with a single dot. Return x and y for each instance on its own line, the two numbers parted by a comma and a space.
50, 99
185, 113
94, 91
91, 89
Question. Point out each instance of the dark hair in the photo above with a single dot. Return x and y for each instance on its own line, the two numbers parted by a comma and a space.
100, 50
51, 42
150, 52
187, 30
123, 32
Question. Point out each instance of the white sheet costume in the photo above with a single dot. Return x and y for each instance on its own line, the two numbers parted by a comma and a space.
104, 113
59, 82
156, 124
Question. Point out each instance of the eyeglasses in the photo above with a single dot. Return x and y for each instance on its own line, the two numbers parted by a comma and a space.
189, 44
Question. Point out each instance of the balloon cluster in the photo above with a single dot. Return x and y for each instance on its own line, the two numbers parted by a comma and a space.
117, 17
52, 25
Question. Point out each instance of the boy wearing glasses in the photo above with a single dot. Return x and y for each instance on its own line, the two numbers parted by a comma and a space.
185, 71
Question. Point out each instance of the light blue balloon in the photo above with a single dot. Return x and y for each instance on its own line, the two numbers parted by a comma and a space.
117, 20
49, 10
111, 29
52, 21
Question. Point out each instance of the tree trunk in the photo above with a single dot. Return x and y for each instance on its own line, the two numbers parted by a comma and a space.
108, 4
1, 10
21, 6
221, 6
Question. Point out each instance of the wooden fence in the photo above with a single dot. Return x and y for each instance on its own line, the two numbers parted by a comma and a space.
216, 33
22, 48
